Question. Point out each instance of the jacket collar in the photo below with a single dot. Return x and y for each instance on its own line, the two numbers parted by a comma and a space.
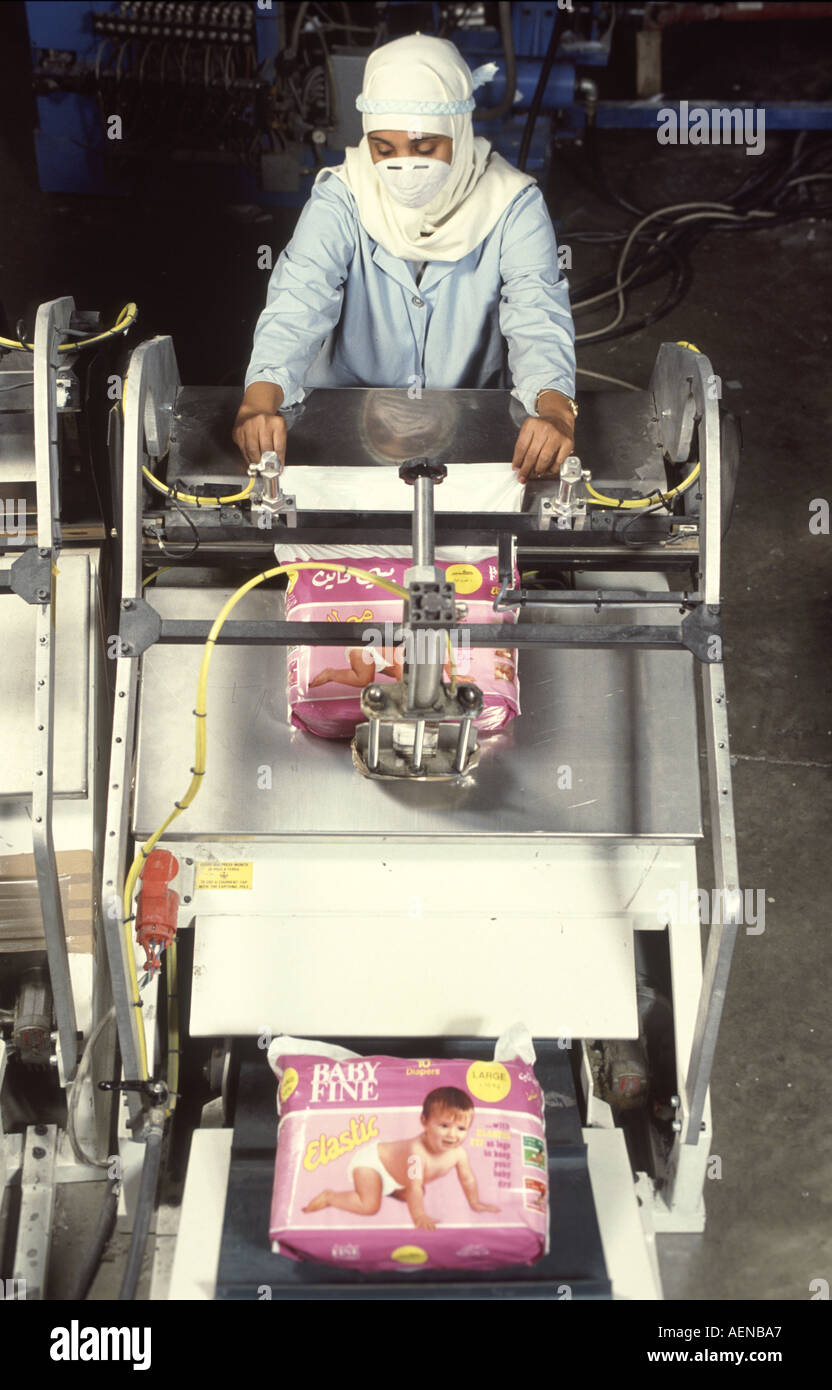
402, 272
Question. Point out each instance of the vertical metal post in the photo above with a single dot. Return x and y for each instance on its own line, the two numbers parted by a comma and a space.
423, 524
721, 935
373, 744
149, 397
418, 745
462, 744
52, 320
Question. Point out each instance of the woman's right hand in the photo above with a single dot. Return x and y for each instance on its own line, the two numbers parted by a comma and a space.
258, 427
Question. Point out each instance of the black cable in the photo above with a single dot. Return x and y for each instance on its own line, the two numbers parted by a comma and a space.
144, 1212
154, 530
797, 156
537, 99
677, 291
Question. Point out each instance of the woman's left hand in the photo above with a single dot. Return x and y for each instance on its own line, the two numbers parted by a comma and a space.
545, 440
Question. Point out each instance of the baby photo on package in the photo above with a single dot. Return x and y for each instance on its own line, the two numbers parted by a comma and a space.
388, 1163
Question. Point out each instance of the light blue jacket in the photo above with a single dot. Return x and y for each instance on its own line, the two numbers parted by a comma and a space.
342, 311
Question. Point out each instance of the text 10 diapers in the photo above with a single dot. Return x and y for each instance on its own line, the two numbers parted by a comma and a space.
388, 1163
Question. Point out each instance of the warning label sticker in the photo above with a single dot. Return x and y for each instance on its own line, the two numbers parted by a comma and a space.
232, 874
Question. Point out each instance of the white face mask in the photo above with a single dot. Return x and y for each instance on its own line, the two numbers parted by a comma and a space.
413, 181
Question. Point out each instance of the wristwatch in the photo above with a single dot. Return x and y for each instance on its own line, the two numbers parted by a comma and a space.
573, 404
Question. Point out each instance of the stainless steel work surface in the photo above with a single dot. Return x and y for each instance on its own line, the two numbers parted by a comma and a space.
606, 745
17, 684
616, 435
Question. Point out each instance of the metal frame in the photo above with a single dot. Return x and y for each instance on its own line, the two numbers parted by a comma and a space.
32, 578
681, 385
149, 393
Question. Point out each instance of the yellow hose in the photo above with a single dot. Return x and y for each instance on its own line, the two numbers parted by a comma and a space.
124, 320
189, 497
634, 503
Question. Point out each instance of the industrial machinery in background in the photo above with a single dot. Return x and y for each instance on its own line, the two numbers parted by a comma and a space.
245, 102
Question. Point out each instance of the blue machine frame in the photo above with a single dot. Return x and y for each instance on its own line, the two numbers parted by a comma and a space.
75, 156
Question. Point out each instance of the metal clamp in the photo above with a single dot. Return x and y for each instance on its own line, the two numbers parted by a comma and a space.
266, 495
425, 745
567, 509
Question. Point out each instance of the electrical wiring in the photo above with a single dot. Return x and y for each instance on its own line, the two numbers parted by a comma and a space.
189, 497
682, 275
771, 188
198, 770
613, 380
125, 319
620, 532
639, 503
154, 573
707, 210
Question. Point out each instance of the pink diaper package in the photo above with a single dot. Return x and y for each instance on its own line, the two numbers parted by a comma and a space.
386, 1163
325, 683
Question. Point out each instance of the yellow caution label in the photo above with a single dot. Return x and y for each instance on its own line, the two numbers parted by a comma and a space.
232, 874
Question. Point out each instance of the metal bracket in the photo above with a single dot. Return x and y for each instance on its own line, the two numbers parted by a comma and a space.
425, 744
139, 628
431, 604
702, 632
31, 575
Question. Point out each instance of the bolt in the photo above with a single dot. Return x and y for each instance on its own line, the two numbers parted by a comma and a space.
43, 552
676, 1126
42, 594
675, 1102
189, 861
375, 697
186, 898
127, 604
467, 695
41, 1130
126, 648
38, 1152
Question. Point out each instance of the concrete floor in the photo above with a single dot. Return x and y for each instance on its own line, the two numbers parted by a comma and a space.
759, 307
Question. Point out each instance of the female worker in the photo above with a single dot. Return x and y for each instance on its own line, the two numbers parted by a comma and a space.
424, 260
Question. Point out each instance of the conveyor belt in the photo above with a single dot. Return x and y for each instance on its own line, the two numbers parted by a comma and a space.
247, 1264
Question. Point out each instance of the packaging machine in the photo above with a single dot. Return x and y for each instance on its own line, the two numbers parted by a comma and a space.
549, 864
537, 874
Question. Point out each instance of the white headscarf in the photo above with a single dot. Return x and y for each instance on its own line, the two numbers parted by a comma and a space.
422, 85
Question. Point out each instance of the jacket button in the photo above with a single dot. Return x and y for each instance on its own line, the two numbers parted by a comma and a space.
420, 303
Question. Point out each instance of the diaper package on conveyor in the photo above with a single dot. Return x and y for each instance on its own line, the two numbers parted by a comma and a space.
385, 1163
325, 683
